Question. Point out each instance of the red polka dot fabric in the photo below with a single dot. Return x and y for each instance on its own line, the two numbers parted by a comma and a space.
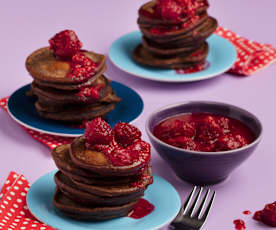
252, 56
14, 213
51, 141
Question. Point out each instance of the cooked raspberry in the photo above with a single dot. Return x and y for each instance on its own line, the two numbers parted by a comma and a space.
230, 142
82, 68
169, 9
108, 148
98, 131
182, 128
65, 44
183, 142
209, 129
140, 146
126, 134
123, 157
206, 146
190, 7
224, 123
257, 216
267, 215
90, 92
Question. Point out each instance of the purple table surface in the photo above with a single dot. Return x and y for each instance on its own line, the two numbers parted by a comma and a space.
27, 25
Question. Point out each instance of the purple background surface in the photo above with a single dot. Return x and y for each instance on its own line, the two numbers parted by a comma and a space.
27, 25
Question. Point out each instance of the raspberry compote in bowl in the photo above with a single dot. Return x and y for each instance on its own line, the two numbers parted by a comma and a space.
213, 139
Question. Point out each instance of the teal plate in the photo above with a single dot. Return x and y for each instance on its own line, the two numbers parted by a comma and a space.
222, 55
22, 109
161, 194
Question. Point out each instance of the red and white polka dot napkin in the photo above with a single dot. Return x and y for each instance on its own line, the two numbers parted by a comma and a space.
14, 213
252, 56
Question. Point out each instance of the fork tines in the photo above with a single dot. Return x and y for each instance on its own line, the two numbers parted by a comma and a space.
191, 215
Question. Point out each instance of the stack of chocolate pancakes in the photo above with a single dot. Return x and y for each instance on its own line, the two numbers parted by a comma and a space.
174, 33
72, 87
92, 185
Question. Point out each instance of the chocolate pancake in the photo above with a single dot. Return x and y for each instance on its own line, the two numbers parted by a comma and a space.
71, 86
144, 57
77, 116
44, 66
74, 192
161, 51
118, 190
84, 212
97, 162
199, 32
46, 105
147, 19
64, 163
64, 97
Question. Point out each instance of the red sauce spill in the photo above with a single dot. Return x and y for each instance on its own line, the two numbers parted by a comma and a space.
141, 209
247, 212
204, 132
194, 69
267, 215
239, 224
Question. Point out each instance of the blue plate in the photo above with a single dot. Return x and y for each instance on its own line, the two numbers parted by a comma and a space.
161, 194
222, 55
22, 109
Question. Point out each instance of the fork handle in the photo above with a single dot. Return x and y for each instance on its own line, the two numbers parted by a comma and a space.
179, 226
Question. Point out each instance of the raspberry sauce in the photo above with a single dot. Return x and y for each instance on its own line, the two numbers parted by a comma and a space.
239, 224
193, 69
204, 132
247, 212
141, 209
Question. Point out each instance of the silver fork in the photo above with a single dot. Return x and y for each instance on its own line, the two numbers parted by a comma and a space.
188, 219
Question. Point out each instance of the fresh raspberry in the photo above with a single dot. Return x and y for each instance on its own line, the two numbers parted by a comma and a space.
98, 131
267, 215
88, 92
65, 44
123, 157
82, 68
183, 142
169, 9
209, 129
230, 142
126, 134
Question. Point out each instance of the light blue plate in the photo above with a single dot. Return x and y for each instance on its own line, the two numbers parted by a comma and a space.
22, 109
161, 194
222, 55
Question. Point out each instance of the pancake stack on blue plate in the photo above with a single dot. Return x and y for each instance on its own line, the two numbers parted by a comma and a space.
174, 33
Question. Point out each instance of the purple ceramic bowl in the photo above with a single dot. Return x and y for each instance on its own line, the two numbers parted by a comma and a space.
203, 167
